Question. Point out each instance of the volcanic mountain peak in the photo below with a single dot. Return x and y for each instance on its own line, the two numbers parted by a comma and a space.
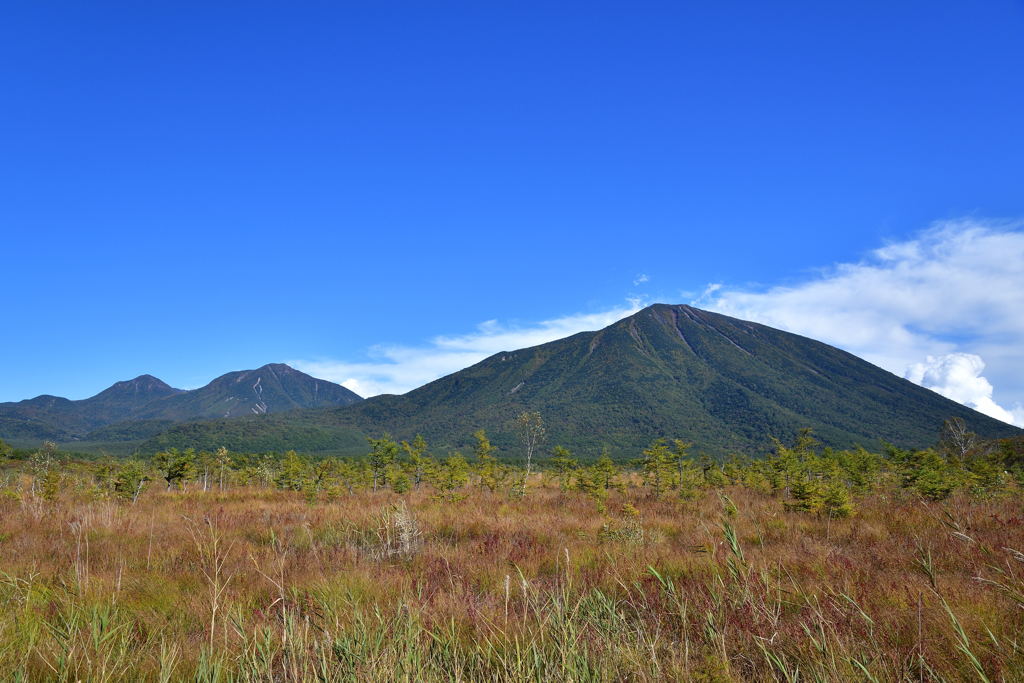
142, 386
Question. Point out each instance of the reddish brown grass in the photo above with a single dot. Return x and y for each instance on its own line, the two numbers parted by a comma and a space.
499, 581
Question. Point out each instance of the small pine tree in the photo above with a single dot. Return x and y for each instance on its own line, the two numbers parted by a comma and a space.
779, 467
322, 473
355, 475
691, 481
188, 467
862, 468
451, 476
657, 467
607, 471
711, 473
487, 468
934, 483
836, 500
733, 469
416, 459
563, 465
383, 452
129, 481
309, 491
986, 474
49, 484
591, 481
103, 474
805, 493
928, 474
399, 480
293, 474
175, 467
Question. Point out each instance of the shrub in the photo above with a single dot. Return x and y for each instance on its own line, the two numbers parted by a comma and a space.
836, 501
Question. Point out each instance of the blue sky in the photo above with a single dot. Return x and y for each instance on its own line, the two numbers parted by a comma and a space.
192, 188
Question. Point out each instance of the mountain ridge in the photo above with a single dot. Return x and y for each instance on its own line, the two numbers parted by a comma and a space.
278, 387
726, 384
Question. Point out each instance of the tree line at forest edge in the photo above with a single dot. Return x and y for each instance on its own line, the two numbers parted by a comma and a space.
807, 477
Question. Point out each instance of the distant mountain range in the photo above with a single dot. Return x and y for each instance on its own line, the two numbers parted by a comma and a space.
725, 384
146, 405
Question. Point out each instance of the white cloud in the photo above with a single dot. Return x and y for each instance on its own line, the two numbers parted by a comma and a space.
640, 279
709, 291
956, 288
957, 376
397, 369
1018, 414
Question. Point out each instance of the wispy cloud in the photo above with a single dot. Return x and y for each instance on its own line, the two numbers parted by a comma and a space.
929, 308
640, 279
395, 369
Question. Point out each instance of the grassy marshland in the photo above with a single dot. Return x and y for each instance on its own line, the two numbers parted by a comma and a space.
257, 584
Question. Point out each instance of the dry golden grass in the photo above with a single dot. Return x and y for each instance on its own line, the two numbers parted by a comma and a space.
257, 584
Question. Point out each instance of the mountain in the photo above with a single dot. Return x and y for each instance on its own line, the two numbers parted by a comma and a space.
145, 406
272, 388
57, 418
725, 384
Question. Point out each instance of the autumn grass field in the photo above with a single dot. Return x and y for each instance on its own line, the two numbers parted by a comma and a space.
259, 584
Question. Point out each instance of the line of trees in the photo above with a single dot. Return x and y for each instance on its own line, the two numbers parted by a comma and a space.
805, 476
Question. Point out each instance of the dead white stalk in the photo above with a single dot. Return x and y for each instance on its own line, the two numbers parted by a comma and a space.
213, 555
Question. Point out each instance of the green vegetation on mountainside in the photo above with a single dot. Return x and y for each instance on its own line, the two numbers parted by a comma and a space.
725, 384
